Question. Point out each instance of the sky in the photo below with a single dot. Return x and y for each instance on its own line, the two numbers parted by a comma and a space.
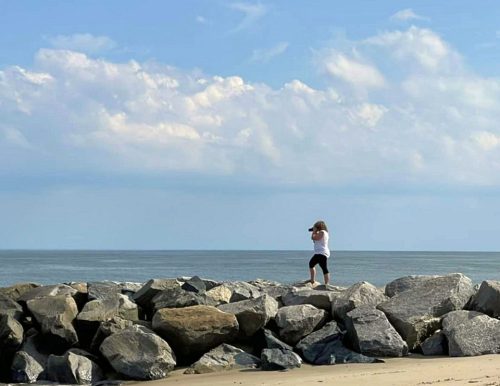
237, 124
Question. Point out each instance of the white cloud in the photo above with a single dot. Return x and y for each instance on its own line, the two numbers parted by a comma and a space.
201, 20
85, 42
252, 13
406, 15
353, 71
422, 45
265, 55
434, 121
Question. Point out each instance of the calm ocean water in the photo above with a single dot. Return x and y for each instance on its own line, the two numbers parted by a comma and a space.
347, 267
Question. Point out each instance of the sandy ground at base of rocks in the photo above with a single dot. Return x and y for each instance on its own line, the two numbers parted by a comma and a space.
413, 370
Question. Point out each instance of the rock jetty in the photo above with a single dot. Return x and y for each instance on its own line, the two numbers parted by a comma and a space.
98, 332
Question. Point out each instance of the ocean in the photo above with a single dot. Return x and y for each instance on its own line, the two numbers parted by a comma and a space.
346, 267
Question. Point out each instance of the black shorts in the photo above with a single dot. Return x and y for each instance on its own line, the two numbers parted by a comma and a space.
321, 260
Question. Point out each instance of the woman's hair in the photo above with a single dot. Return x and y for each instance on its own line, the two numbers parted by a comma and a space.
320, 225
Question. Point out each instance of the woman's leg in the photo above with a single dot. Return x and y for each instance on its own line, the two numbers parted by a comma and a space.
312, 270
324, 267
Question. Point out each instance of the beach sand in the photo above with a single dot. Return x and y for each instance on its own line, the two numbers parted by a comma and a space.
413, 370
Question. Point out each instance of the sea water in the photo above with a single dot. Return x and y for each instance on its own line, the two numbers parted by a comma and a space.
346, 267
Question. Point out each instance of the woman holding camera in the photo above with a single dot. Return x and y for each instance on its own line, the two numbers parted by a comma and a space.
321, 251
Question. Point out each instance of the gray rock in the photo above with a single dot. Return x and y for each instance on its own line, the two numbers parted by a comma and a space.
325, 347
46, 290
72, 368
108, 328
55, 315
105, 289
153, 287
279, 359
221, 358
178, 298
209, 283
362, 293
436, 344
16, 290
10, 307
138, 354
295, 322
317, 298
471, 333
193, 331
241, 290
371, 333
194, 284
405, 283
416, 314
487, 299
30, 362
272, 341
252, 314
11, 333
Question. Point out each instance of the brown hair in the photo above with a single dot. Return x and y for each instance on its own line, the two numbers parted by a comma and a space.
320, 225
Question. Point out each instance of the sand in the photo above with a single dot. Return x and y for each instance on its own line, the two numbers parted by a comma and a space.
414, 370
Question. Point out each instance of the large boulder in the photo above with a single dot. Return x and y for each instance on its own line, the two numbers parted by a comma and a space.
193, 331
487, 299
55, 315
362, 293
72, 368
436, 344
148, 291
177, 298
272, 341
326, 347
319, 299
16, 290
30, 362
194, 284
101, 310
406, 283
138, 354
252, 314
295, 322
279, 359
10, 307
471, 333
371, 334
11, 333
46, 290
108, 328
416, 313
223, 357
11, 338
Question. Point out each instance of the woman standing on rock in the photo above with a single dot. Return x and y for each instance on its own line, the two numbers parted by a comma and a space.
321, 251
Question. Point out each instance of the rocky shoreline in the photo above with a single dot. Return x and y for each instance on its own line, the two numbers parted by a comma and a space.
103, 332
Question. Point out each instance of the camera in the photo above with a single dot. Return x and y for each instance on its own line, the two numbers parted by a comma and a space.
310, 229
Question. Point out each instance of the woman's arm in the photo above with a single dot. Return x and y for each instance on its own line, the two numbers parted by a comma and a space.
317, 235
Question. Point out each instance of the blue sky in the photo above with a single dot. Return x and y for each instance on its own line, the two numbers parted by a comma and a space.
236, 124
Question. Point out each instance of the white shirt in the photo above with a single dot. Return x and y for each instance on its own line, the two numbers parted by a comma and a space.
321, 246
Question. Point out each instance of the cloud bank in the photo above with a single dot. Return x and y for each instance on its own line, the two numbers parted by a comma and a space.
399, 108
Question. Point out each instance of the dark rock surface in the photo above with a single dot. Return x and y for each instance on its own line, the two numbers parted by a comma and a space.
272, 341
371, 333
10, 307
325, 347
194, 284
295, 322
30, 362
436, 344
279, 359
487, 299
72, 368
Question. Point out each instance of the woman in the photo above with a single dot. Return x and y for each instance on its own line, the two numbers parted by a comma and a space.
321, 251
